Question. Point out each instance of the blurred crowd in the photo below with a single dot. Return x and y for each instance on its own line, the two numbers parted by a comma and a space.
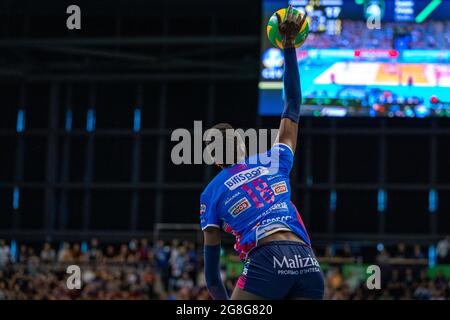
127, 271
404, 276
355, 34
398, 283
138, 270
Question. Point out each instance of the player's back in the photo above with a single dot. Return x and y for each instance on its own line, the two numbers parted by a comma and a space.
252, 199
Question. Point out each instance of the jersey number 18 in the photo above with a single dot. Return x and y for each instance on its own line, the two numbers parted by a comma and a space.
259, 186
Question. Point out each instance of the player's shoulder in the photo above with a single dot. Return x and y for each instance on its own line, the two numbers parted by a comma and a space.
265, 158
215, 186
277, 148
281, 147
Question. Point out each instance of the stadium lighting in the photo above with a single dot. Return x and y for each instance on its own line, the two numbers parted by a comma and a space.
137, 120
427, 10
382, 199
20, 124
432, 201
16, 198
69, 120
90, 120
432, 256
333, 200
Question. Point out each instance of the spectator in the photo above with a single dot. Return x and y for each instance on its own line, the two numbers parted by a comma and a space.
347, 251
352, 281
417, 252
177, 263
422, 291
2, 289
23, 256
409, 279
123, 254
133, 247
443, 250
64, 254
109, 254
334, 278
144, 251
32, 262
383, 257
395, 285
401, 251
191, 267
94, 254
77, 255
184, 282
47, 254
329, 251
5, 254
162, 255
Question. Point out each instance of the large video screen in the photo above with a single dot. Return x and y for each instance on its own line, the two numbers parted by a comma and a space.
370, 58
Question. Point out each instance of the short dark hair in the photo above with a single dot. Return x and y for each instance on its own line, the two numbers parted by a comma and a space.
223, 127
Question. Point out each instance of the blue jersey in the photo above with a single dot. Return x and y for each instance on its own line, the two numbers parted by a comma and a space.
252, 199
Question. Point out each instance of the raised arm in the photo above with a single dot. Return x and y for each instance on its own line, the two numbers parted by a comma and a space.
212, 264
289, 29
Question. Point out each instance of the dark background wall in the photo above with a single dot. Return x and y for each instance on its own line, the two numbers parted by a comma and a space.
174, 63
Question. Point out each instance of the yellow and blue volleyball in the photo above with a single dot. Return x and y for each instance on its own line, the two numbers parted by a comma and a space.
274, 35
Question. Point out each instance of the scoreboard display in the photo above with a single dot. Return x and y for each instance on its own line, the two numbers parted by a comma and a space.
324, 15
404, 10
370, 58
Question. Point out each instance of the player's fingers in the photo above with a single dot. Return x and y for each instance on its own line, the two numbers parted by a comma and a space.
289, 13
303, 19
298, 18
278, 19
295, 18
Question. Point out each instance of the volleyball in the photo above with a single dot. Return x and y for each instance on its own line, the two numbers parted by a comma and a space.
274, 35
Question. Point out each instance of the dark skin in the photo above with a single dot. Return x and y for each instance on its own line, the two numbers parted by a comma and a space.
287, 134
289, 28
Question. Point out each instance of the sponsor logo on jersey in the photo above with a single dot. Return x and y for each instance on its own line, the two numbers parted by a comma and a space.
280, 206
239, 207
274, 177
279, 188
227, 200
276, 219
295, 262
202, 208
245, 176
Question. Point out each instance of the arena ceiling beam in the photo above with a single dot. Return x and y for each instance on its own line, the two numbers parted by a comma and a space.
118, 237
142, 77
131, 41
124, 58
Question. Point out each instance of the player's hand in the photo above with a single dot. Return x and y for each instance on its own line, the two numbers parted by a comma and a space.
290, 27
